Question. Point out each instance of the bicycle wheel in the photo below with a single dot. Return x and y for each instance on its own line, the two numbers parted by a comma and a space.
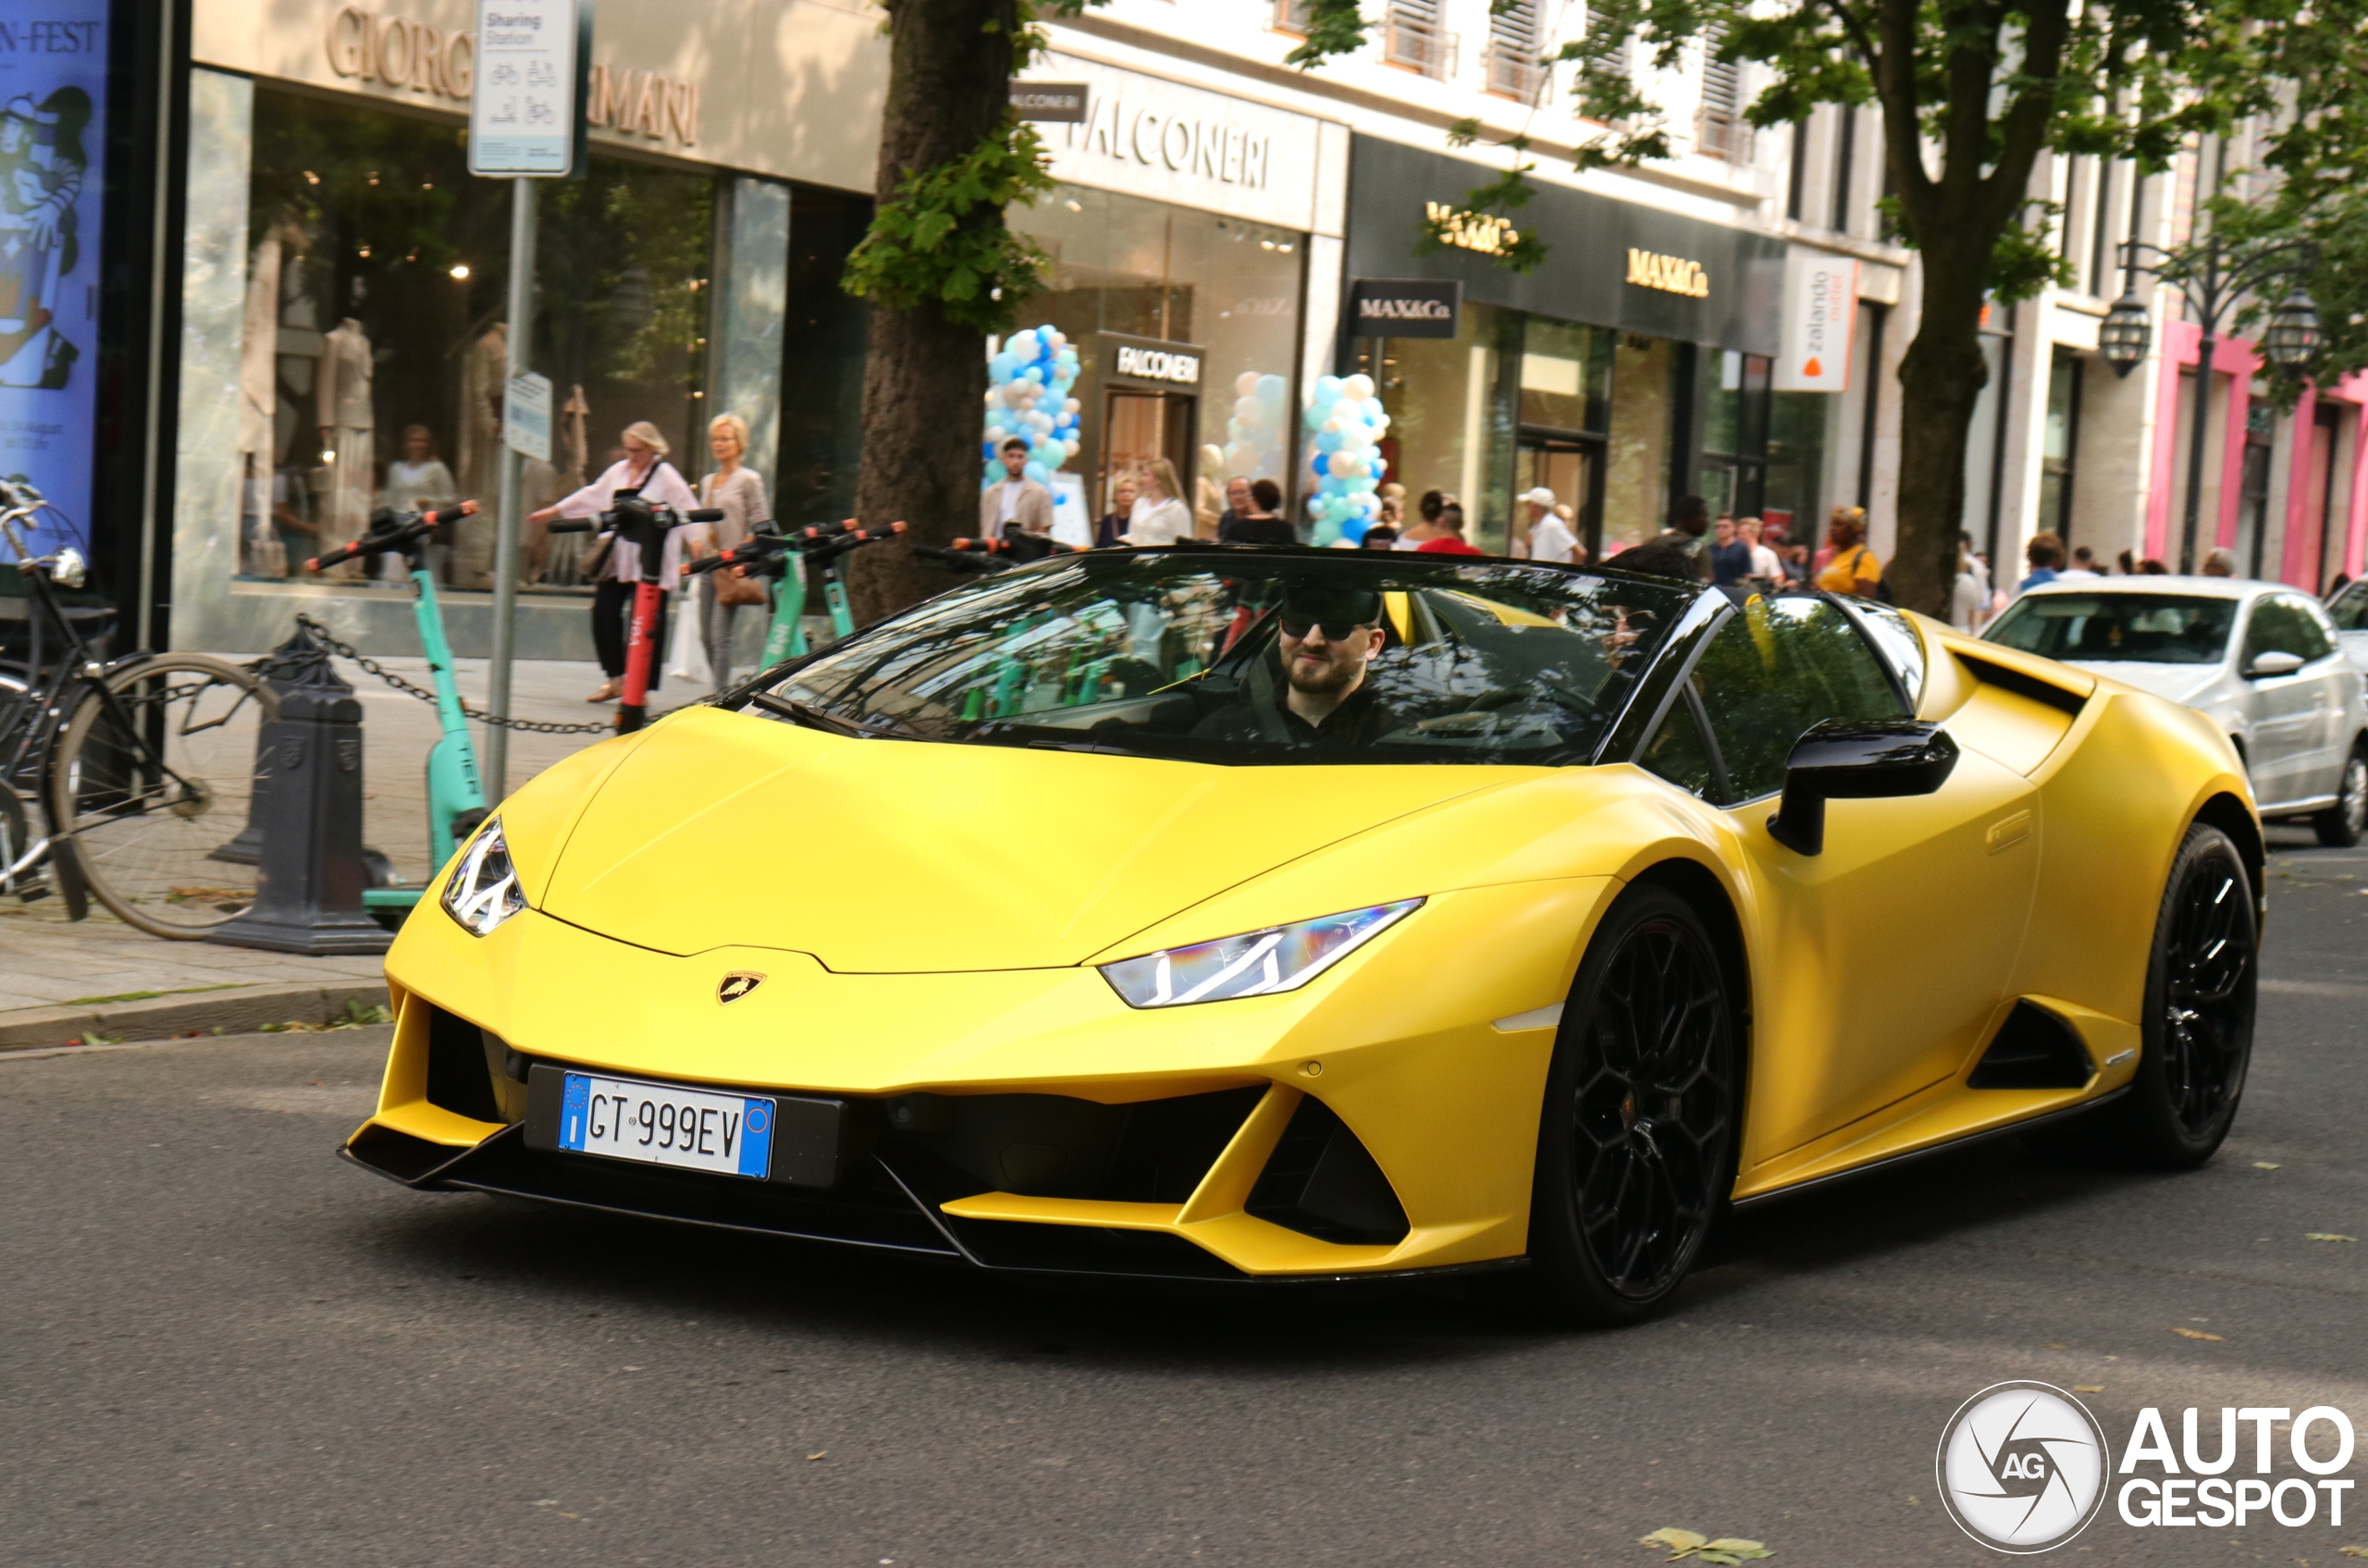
154, 776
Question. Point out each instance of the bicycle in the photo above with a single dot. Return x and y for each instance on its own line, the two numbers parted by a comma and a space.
143, 767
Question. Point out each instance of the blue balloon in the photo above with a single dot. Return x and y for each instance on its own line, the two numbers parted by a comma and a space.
1327, 442
1328, 389
1352, 528
1271, 389
1036, 471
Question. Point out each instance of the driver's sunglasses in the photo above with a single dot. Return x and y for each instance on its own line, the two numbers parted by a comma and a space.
1334, 631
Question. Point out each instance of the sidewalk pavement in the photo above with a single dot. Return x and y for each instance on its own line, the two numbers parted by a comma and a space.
63, 982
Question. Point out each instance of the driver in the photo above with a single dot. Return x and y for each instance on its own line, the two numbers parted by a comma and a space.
1326, 640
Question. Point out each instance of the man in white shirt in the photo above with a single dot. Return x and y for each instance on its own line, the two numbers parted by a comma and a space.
1547, 537
1018, 499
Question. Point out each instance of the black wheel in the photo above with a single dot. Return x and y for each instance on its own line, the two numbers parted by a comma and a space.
1635, 1150
2341, 825
2197, 1032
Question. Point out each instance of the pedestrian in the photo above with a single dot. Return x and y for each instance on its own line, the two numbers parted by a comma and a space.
1425, 525
1381, 535
2220, 563
418, 481
1159, 515
739, 493
2044, 554
1544, 536
2084, 564
1393, 511
1766, 568
1018, 498
1850, 567
1236, 507
644, 468
2128, 566
1969, 596
1689, 532
1262, 523
1570, 520
1109, 531
1449, 540
2150, 567
1730, 556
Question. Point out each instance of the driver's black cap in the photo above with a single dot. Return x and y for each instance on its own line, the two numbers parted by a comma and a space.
1313, 602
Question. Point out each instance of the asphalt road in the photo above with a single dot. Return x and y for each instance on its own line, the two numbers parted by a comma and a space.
220, 1346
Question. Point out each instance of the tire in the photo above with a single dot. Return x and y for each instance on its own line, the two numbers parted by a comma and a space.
144, 836
2196, 1036
1635, 1148
2342, 825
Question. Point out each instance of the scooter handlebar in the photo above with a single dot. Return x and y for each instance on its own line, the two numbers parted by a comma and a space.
397, 536
570, 526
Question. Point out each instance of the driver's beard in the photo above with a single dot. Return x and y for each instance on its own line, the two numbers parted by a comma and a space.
1335, 680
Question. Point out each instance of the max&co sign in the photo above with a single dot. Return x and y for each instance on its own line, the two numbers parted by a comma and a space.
1403, 307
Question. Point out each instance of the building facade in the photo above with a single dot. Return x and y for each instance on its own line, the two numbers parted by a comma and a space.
329, 285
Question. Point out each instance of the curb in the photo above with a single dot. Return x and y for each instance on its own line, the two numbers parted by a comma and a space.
240, 1011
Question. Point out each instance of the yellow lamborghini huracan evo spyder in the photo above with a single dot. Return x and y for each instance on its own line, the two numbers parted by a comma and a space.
1285, 914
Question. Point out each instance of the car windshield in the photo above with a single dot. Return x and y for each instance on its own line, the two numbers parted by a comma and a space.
1180, 654
2135, 628
2349, 609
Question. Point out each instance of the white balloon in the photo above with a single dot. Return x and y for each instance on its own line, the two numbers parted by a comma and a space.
1246, 384
1358, 385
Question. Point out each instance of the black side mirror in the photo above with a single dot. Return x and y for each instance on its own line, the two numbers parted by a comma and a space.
1856, 759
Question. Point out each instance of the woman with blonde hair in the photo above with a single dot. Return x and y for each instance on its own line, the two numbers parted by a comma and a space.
1160, 516
644, 467
739, 493
1851, 568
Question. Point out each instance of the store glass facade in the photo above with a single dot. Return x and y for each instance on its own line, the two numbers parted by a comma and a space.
1147, 269
1448, 430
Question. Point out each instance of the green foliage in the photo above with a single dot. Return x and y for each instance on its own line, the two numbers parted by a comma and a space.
942, 241
1482, 204
1334, 26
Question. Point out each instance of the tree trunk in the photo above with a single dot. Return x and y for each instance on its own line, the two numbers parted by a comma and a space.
1940, 379
925, 377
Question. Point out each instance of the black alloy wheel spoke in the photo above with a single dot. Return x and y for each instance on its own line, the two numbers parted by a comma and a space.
1650, 1115
2207, 996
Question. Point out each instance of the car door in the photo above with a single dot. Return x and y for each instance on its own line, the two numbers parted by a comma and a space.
2347, 612
2338, 683
1892, 948
2288, 713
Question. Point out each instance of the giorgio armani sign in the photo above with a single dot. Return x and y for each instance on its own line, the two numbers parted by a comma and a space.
1404, 307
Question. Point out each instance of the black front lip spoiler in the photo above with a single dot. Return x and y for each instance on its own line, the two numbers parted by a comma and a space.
912, 1227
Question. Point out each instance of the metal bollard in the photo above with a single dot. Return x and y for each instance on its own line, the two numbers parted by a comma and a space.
300, 663
310, 868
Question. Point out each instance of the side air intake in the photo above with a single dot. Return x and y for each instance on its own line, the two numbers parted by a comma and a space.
2033, 1049
1322, 1182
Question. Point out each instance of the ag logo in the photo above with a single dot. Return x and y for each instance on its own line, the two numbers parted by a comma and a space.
2023, 1468
736, 984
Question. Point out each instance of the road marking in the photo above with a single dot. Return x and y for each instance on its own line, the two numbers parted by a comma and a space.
2313, 988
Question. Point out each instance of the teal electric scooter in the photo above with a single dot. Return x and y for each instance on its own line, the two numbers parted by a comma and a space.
782, 556
456, 802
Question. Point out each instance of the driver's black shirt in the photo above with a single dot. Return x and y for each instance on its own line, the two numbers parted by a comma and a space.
1362, 718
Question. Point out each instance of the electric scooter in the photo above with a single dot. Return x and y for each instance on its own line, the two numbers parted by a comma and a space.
781, 558
456, 802
644, 525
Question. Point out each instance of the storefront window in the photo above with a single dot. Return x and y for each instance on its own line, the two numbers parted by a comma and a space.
2059, 442
1445, 429
1565, 374
821, 394
1146, 269
1793, 499
1636, 471
373, 354
1734, 435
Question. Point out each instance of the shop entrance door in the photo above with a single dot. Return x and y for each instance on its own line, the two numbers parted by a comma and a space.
1138, 427
1572, 469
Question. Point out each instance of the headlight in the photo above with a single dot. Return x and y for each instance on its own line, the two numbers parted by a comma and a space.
1258, 963
482, 891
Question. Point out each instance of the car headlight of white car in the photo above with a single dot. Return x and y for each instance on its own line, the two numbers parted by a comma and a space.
1257, 963
483, 890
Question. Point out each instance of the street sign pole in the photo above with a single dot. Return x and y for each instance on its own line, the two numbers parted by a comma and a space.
526, 123
508, 523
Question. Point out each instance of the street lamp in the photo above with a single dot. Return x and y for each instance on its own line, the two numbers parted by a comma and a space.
2212, 276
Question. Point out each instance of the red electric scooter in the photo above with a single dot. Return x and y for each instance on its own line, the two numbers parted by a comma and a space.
644, 526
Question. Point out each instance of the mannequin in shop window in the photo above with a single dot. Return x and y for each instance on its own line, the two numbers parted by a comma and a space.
348, 427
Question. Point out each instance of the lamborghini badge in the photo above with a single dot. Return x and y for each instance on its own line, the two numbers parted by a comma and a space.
736, 984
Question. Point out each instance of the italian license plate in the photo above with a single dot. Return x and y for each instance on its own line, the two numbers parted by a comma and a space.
663, 1124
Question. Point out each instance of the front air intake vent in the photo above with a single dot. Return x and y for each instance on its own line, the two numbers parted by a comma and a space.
460, 1075
1322, 1182
2033, 1049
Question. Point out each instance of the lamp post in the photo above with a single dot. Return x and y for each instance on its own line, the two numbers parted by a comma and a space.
2212, 276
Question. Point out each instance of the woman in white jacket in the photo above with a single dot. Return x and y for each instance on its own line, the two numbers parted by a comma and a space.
1160, 517
645, 468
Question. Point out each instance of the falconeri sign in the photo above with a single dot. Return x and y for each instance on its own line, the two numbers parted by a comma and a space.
1163, 364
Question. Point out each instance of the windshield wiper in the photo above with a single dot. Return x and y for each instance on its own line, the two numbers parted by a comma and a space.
813, 718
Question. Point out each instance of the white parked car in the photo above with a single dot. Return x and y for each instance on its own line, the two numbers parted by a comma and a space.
2261, 658
2348, 610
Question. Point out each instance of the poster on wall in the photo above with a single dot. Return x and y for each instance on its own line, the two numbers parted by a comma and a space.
53, 115
1820, 315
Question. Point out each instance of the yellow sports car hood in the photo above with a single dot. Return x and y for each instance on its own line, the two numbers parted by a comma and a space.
900, 857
